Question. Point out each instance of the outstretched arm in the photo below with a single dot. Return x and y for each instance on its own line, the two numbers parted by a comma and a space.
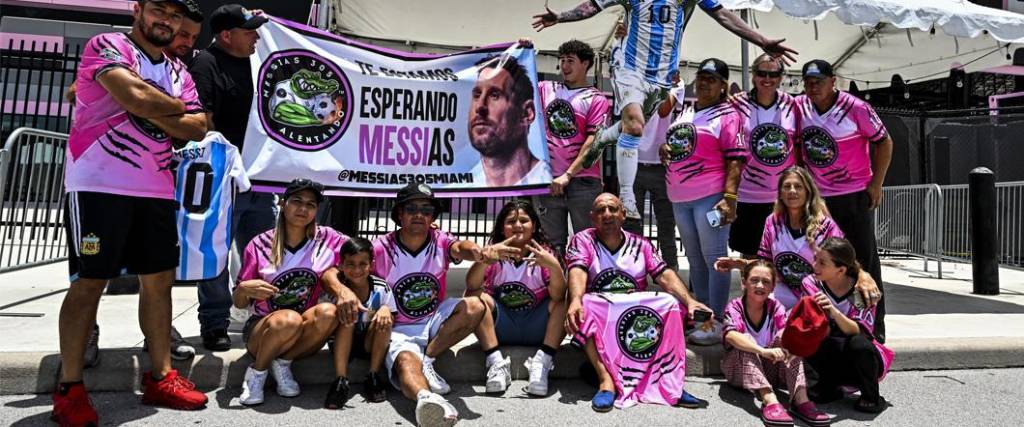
549, 17
733, 23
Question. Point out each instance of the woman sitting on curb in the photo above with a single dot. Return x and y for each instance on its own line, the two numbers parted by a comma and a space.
754, 359
281, 284
850, 355
525, 296
791, 235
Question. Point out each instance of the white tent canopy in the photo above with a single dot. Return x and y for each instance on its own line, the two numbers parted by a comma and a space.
867, 40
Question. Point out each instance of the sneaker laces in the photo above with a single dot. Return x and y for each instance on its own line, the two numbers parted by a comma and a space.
256, 381
178, 383
282, 372
429, 372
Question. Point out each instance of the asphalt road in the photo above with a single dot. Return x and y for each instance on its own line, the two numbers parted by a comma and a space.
923, 398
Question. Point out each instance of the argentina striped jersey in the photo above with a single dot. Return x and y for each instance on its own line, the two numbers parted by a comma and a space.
209, 174
654, 31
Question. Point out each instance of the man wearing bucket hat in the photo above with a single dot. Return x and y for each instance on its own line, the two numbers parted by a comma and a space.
414, 262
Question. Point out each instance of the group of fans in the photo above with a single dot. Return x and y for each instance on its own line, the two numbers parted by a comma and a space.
780, 179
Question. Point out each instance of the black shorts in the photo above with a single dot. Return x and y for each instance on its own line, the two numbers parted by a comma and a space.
110, 233
745, 233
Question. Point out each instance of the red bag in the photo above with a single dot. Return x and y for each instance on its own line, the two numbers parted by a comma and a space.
806, 328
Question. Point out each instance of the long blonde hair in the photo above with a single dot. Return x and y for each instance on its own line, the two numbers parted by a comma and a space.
814, 209
278, 243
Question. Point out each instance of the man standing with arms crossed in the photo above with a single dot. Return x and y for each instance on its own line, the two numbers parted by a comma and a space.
650, 55
131, 100
573, 111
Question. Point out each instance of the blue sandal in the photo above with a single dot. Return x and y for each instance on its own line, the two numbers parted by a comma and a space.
603, 401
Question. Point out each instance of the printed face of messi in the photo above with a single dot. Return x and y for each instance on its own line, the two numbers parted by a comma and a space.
496, 124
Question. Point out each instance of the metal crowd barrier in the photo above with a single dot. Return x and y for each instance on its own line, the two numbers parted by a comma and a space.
933, 222
909, 221
32, 199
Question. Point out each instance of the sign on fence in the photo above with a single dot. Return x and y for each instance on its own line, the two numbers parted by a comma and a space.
364, 120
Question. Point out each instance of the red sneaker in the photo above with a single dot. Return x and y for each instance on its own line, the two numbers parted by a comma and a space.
73, 408
172, 392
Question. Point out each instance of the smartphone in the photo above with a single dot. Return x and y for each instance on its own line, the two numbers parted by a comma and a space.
701, 316
714, 218
858, 300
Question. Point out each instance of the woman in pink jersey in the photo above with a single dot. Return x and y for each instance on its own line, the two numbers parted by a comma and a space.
770, 121
754, 359
850, 355
704, 154
525, 296
282, 284
799, 223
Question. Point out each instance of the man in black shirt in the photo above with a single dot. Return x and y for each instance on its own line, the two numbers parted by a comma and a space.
223, 80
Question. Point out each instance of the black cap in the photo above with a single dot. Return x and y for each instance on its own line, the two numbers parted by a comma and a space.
302, 184
231, 16
192, 10
414, 191
818, 68
715, 67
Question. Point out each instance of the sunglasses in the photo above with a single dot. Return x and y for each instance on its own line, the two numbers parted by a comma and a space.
427, 210
766, 74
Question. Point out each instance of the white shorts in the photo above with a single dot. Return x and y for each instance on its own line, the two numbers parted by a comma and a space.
415, 337
630, 87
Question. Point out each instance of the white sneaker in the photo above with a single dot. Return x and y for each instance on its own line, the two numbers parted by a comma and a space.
282, 371
499, 376
539, 366
709, 336
433, 411
252, 387
437, 384
629, 205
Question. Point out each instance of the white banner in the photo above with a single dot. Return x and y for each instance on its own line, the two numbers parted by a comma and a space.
365, 120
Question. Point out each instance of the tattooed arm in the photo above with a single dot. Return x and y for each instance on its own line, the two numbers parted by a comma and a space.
548, 18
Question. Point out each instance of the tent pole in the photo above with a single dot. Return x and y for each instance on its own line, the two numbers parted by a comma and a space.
745, 56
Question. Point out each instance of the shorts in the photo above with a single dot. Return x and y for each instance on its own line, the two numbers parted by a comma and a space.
249, 324
415, 337
630, 87
526, 327
745, 233
109, 234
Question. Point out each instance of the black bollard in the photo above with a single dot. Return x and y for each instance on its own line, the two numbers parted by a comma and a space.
984, 237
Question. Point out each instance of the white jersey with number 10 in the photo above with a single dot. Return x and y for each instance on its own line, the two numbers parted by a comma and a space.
209, 174
654, 32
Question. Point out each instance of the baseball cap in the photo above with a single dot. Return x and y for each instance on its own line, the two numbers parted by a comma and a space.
806, 328
231, 16
414, 191
715, 67
302, 184
818, 68
192, 10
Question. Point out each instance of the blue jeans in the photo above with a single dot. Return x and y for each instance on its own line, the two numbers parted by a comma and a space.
703, 245
253, 213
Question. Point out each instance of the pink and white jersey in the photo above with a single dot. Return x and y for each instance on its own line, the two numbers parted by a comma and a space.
640, 339
699, 143
863, 316
620, 270
297, 278
570, 115
769, 131
417, 278
835, 143
655, 129
764, 331
792, 255
517, 285
109, 149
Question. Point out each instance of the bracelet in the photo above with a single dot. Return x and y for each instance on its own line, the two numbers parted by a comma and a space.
729, 196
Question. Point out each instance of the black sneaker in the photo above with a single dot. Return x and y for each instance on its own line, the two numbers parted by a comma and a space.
337, 395
375, 388
217, 340
180, 349
92, 349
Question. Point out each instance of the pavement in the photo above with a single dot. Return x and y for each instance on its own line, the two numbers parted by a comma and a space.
932, 324
917, 398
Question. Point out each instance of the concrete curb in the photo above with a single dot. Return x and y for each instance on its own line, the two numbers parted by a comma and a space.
120, 369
